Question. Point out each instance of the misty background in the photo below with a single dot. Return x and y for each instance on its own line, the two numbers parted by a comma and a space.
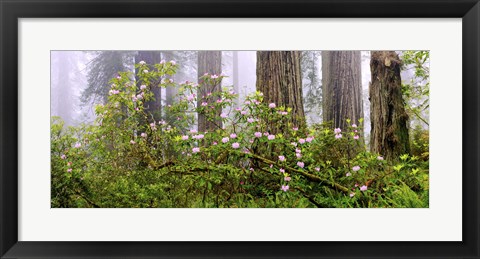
79, 77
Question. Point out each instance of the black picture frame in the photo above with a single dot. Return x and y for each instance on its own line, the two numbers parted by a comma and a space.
12, 10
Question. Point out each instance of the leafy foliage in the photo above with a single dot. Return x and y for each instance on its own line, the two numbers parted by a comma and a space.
127, 159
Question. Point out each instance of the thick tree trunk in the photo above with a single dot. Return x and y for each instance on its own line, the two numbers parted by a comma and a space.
208, 62
279, 78
389, 135
342, 87
153, 106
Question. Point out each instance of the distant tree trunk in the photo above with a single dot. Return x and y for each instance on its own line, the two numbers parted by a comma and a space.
64, 100
153, 106
342, 87
279, 78
389, 135
170, 91
236, 81
208, 62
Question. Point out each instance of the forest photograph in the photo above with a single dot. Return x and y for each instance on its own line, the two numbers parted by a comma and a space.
239, 129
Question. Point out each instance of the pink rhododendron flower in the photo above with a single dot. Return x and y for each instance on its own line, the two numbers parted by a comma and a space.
294, 144
251, 169
352, 194
298, 150
77, 145
199, 136
195, 150
214, 76
281, 158
356, 137
225, 139
285, 188
271, 137
141, 62
348, 174
299, 155
354, 125
184, 137
63, 156
173, 62
132, 142
301, 141
233, 135
356, 168
266, 133
363, 188
337, 136
204, 104
287, 178
69, 163
295, 128
143, 87
356, 185
214, 143
272, 105
247, 102
236, 145
243, 112
250, 120
282, 170
300, 164
193, 131
238, 109
258, 134
162, 61
317, 169
144, 135
69, 170
380, 157
145, 71
337, 130
223, 115
219, 101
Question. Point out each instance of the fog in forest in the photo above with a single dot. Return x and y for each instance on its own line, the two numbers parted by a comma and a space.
80, 78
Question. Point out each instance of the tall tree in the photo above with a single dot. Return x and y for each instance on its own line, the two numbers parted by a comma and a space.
342, 87
170, 91
236, 81
389, 135
62, 92
279, 78
312, 91
208, 62
103, 67
154, 106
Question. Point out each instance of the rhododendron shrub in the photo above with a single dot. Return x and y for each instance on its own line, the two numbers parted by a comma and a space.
127, 159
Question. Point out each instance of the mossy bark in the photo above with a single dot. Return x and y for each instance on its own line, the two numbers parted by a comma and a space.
342, 87
208, 62
389, 134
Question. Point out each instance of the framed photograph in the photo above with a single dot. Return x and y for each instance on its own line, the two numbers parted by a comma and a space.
227, 129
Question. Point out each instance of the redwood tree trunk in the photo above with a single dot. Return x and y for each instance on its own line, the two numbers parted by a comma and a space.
279, 78
153, 106
208, 62
389, 135
342, 87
